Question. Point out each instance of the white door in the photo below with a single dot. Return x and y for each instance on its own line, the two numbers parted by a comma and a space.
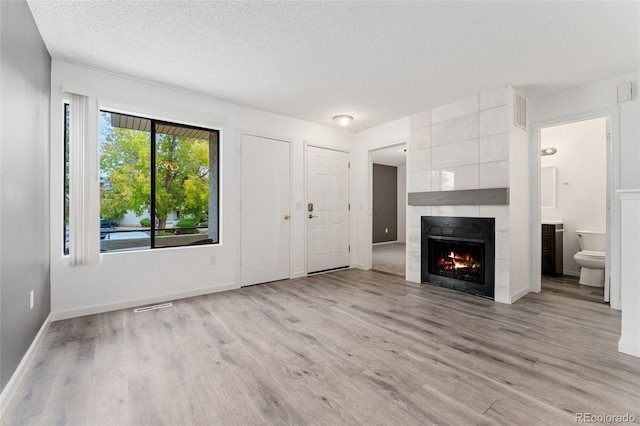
327, 209
264, 216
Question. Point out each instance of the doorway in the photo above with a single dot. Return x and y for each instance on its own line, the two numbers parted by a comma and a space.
328, 236
266, 200
575, 207
389, 207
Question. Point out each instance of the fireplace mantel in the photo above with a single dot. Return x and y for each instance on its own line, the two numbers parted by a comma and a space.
464, 197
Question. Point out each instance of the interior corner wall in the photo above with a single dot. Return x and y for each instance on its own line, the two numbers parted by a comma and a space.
385, 198
24, 183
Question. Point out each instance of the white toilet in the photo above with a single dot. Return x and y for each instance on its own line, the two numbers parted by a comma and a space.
591, 257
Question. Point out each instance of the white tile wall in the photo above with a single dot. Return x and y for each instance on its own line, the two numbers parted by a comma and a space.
501, 294
455, 154
419, 160
412, 274
421, 119
502, 273
454, 109
415, 213
419, 138
454, 178
419, 181
414, 252
502, 245
494, 175
493, 121
494, 98
455, 130
459, 211
494, 148
500, 213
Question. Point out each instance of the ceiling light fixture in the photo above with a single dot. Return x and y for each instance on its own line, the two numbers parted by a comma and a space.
548, 151
343, 119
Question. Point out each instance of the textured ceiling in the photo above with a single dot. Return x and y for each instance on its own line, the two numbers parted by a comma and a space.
377, 61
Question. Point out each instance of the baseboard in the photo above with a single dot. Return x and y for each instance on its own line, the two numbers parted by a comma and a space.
386, 242
125, 304
329, 271
519, 295
628, 348
18, 375
570, 273
358, 266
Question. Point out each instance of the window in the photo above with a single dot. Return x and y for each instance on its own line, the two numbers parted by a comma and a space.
158, 183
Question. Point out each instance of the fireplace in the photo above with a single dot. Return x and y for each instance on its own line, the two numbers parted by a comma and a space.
459, 253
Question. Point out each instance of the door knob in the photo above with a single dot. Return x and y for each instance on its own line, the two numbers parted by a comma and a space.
311, 216
287, 217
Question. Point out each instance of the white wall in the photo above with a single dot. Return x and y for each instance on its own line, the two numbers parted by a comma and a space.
520, 208
630, 212
133, 278
402, 204
581, 180
389, 134
597, 96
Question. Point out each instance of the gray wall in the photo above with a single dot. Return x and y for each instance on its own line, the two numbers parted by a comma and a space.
385, 203
25, 75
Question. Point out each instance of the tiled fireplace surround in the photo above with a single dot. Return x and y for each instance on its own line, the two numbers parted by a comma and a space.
473, 144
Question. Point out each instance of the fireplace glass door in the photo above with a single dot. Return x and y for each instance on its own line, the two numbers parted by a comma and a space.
457, 259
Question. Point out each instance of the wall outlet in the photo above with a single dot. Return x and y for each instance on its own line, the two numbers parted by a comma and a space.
386, 230
31, 299
212, 260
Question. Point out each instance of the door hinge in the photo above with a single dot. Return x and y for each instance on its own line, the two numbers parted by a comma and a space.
349, 249
349, 206
349, 165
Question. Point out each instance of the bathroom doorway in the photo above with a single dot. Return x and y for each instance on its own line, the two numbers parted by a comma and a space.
575, 208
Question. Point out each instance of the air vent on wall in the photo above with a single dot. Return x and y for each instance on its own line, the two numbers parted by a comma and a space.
519, 111
624, 92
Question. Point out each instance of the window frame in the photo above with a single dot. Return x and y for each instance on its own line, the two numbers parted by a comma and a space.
153, 154
153, 149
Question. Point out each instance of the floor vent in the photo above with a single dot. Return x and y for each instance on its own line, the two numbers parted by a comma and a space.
153, 308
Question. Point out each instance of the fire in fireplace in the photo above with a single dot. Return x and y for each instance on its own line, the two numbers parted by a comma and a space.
457, 259
459, 253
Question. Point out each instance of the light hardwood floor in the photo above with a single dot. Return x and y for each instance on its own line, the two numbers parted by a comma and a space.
389, 258
350, 347
569, 286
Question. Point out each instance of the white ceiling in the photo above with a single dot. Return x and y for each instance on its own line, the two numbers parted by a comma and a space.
377, 61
